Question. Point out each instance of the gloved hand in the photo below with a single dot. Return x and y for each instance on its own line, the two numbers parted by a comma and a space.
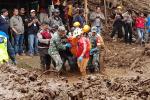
68, 45
80, 59
92, 50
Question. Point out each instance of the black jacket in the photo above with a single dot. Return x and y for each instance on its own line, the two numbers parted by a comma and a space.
4, 24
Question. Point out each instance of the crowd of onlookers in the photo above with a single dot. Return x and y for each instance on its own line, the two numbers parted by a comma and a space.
131, 26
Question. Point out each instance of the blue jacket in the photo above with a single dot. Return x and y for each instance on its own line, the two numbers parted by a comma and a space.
148, 21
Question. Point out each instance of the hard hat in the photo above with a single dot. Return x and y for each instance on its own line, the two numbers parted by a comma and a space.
76, 24
77, 32
86, 28
94, 29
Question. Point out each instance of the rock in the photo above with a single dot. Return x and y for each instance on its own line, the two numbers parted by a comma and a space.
24, 90
33, 77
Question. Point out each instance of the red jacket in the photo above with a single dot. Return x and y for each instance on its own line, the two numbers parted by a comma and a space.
83, 42
140, 22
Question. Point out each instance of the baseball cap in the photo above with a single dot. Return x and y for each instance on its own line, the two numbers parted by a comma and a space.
32, 10
94, 29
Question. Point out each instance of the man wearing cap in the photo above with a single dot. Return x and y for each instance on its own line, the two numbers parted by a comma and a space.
17, 27
56, 45
33, 27
55, 19
96, 43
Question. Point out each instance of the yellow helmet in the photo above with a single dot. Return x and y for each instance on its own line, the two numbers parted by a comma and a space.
76, 24
86, 28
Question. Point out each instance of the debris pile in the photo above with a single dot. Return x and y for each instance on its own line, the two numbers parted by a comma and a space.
20, 84
101, 88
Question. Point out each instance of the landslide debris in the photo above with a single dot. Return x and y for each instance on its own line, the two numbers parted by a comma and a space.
20, 84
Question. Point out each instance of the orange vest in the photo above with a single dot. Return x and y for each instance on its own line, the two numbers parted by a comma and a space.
73, 42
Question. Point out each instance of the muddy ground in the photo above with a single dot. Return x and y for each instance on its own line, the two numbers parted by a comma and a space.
125, 76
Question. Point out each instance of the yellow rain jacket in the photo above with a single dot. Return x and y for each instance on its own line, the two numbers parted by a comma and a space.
3, 49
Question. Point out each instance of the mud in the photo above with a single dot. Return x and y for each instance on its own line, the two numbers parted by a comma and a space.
126, 76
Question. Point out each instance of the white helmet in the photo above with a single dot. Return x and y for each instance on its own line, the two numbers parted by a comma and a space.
77, 32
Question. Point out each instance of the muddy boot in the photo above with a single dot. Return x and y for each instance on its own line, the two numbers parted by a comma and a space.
83, 73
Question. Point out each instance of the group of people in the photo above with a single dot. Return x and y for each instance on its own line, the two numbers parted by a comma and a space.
131, 26
64, 35
52, 38
80, 47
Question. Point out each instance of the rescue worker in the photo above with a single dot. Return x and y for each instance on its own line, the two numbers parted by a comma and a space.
55, 20
96, 44
44, 36
82, 51
4, 57
56, 45
74, 40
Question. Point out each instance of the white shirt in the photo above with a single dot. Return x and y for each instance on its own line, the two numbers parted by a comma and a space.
3, 16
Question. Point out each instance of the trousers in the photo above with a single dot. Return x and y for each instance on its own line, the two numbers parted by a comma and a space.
82, 66
58, 61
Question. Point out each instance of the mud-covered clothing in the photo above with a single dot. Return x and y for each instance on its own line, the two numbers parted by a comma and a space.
55, 21
83, 54
96, 42
56, 45
66, 55
82, 66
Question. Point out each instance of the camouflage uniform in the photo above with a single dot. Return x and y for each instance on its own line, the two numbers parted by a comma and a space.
94, 57
55, 46
55, 21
